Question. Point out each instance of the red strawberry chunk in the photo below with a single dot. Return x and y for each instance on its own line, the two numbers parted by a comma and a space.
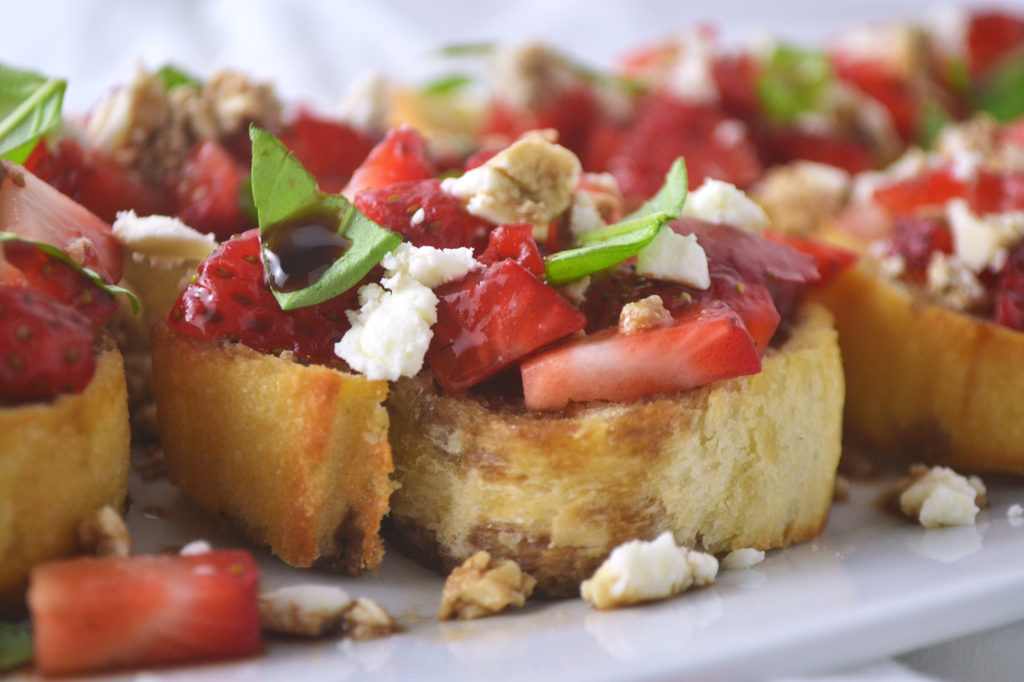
424, 215
790, 144
491, 319
400, 157
830, 259
708, 343
46, 347
229, 299
92, 614
56, 278
330, 150
515, 242
207, 193
991, 37
915, 239
33, 209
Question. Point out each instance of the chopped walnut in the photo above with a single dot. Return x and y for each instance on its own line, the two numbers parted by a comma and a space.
366, 619
532, 74
481, 587
105, 534
647, 313
800, 196
938, 496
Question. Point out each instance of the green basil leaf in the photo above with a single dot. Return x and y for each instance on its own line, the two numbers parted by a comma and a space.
959, 74
15, 645
173, 76
672, 195
30, 107
467, 50
284, 191
792, 82
931, 120
613, 244
91, 275
1002, 93
446, 85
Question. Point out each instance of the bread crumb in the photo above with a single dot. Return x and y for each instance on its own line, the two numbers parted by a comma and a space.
647, 313
366, 619
739, 559
639, 571
482, 587
105, 534
938, 496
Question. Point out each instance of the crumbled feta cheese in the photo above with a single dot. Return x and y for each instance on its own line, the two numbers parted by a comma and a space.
365, 104
739, 559
647, 313
105, 533
195, 547
482, 587
531, 181
730, 132
950, 280
1015, 511
691, 77
639, 571
391, 332
309, 610
941, 497
576, 290
161, 237
982, 242
418, 217
584, 215
720, 202
673, 257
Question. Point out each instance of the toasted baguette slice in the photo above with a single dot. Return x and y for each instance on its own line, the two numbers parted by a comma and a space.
297, 456
59, 463
748, 462
926, 383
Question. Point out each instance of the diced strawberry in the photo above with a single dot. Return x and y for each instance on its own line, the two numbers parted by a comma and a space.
667, 128
736, 79
707, 344
572, 112
491, 319
892, 90
791, 144
46, 347
96, 181
59, 280
424, 215
35, 210
830, 259
992, 36
915, 239
400, 157
207, 191
1009, 302
330, 150
228, 299
91, 614
515, 242
932, 189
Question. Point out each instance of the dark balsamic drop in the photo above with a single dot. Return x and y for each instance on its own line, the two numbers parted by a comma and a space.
299, 252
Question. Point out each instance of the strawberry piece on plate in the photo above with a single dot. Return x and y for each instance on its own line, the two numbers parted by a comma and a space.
705, 344
92, 614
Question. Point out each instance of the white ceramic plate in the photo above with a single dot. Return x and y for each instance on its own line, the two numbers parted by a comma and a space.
871, 586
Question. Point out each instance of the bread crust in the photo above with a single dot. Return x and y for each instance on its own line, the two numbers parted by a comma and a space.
926, 383
59, 463
297, 456
748, 462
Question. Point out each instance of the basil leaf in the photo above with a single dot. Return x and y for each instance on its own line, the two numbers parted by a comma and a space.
467, 50
446, 85
932, 119
672, 195
283, 191
15, 645
91, 275
172, 77
613, 244
792, 81
30, 107
1002, 94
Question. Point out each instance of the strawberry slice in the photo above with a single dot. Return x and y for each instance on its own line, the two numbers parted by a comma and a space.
46, 347
992, 36
400, 157
208, 190
330, 150
830, 259
56, 278
708, 343
228, 299
92, 614
33, 209
491, 319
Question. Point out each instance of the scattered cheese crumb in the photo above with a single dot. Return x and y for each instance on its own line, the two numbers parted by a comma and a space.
531, 181
647, 313
672, 257
366, 619
482, 587
720, 202
739, 559
161, 237
691, 76
308, 610
639, 571
1015, 511
391, 331
105, 534
941, 497
196, 547
981, 242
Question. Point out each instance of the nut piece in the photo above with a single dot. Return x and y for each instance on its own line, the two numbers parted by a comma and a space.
639, 571
104, 533
318, 610
366, 619
941, 497
799, 196
647, 313
481, 587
